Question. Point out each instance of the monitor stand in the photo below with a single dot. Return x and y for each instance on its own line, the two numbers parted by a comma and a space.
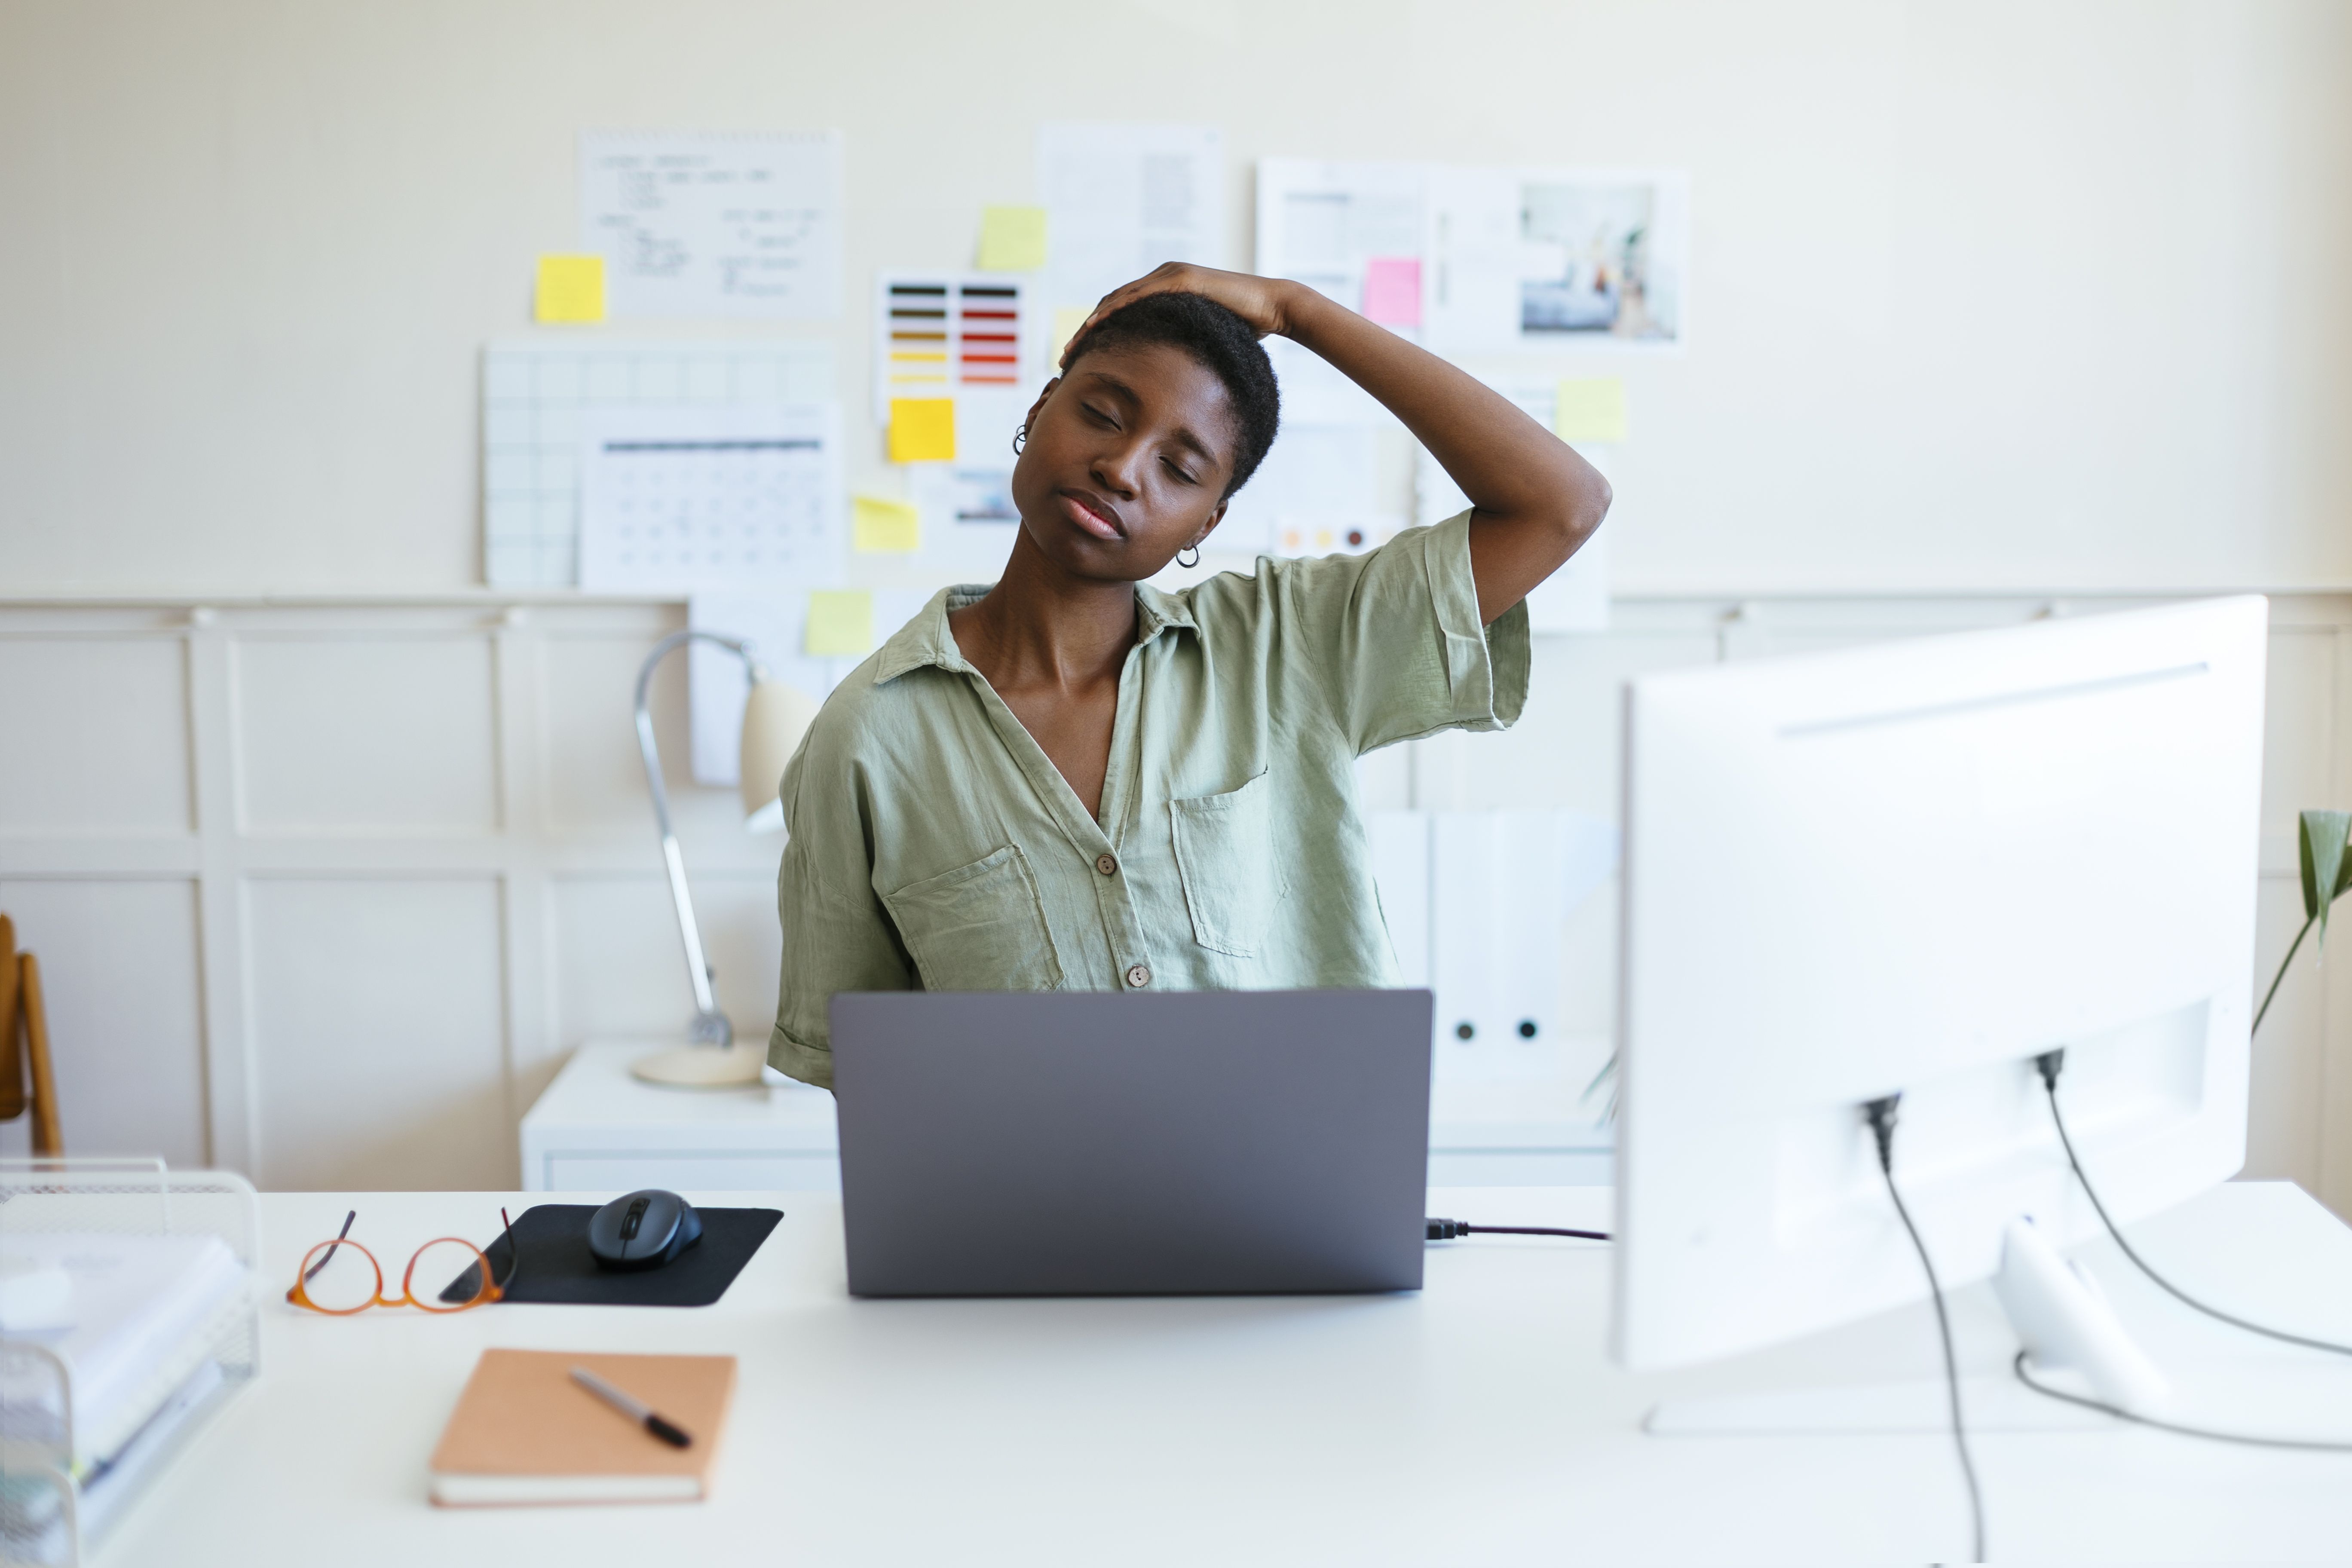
2062, 1320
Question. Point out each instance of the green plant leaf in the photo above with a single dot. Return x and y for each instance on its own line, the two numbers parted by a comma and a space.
2326, 869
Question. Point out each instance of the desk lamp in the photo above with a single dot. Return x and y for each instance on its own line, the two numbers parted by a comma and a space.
775, 717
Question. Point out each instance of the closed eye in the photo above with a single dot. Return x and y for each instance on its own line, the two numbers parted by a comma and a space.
1178, 469
1099, 417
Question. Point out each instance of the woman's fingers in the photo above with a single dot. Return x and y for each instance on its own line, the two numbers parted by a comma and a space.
1117, 299
1256, 300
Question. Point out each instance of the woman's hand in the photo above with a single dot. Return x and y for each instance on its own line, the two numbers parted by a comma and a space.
1262, 303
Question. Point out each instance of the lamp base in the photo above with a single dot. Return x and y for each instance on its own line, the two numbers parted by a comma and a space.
704, 1067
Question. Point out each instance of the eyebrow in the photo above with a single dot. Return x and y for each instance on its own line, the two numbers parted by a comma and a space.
1183, 437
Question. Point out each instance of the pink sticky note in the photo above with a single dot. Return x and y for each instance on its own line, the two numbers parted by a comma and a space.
1392, 291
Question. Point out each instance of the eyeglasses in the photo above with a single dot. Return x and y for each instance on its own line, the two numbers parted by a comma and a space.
340, 1276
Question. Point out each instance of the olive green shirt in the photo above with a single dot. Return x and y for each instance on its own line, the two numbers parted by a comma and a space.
935, 847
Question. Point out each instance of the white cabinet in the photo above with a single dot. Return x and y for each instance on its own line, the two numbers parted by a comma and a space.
1476, 903
596, 1129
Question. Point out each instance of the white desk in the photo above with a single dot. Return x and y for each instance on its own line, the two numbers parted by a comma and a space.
1477, 1421
596, 1129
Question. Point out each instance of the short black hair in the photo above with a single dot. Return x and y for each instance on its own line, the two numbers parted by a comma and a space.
1224, 344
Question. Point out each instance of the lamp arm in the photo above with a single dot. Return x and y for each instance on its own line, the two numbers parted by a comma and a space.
710, 1025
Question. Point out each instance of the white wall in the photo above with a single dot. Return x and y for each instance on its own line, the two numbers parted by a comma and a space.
2017, 292
325, 891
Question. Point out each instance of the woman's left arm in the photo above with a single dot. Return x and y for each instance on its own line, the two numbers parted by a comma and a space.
1533, 501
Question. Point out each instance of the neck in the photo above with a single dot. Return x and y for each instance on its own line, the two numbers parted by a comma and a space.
1041, 626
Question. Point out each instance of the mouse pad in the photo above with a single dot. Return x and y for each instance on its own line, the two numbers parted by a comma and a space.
558, 1267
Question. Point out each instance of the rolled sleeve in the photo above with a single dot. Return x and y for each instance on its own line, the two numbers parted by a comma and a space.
1394, 637
837, 936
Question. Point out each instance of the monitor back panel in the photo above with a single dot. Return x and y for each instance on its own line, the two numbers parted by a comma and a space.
1912, 868
1196, 1143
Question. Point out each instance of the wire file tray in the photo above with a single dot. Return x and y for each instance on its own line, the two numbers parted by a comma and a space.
56, 1502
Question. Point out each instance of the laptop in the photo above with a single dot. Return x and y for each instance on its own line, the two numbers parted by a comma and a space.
1095, 1144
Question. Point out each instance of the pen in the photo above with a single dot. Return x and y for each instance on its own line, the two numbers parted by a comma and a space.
636, 1410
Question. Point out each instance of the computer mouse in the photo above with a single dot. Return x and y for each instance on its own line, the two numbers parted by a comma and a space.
643, 1230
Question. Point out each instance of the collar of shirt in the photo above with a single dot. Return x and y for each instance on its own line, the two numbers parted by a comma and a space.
927, 638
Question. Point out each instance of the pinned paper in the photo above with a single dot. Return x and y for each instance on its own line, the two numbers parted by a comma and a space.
922, 430
1591, 409
885, 527
840, 623
1392, 291
1012, 240
939, 335
730, 223
1067, 320
571, 289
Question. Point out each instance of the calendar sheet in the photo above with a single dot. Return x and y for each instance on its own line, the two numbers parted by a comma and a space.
683, 499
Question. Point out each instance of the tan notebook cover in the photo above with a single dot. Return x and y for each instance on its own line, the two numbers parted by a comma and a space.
523, 1432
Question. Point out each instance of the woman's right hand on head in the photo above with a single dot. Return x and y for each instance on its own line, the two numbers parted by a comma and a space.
1262, 303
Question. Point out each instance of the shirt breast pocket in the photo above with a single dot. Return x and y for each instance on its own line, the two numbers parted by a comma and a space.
980, 927
1224, 855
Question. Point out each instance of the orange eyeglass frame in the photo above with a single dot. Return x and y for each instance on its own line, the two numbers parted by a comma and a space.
491, 1289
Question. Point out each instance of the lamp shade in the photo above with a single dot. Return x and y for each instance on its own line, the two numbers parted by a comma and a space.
775, 717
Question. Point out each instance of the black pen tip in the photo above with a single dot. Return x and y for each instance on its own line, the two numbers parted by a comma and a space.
669, 1434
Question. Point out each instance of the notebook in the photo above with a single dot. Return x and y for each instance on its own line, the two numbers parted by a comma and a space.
523, 1432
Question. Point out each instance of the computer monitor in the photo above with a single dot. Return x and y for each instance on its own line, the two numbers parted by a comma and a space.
1914, 868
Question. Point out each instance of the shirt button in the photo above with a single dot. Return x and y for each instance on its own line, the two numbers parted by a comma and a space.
1138, 975
1105, 864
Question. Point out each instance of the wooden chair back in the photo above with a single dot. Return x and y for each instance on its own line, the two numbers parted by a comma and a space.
26, 1082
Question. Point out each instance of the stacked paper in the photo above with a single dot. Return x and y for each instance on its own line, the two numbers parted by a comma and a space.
148, 1314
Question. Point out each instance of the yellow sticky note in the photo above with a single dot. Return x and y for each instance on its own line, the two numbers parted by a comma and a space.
1012, 240
840, 623
922, 430
887, 527
1591, 409
1067, 320
571, 289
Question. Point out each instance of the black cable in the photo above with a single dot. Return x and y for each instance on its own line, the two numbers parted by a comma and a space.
2050, 1064
1447, 1229
2318, 1444
1881, 1114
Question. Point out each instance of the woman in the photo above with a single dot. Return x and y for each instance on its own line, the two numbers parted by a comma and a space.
1073, 781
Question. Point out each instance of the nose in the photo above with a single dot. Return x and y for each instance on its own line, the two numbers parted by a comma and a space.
1115, 469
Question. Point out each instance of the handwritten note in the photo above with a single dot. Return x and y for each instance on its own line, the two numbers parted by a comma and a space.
922, 430
571, 289
1012, 240
1392, 291
885, 527
1591, 408
744, 224
840, 623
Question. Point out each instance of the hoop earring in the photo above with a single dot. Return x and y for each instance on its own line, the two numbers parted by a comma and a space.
1188, 566
1019, 437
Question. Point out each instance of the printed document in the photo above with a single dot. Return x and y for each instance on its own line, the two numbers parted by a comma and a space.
1120, 199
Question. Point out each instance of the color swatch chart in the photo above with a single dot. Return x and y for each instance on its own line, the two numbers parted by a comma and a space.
938, 335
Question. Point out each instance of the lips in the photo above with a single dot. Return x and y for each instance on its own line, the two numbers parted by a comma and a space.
1092, 513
